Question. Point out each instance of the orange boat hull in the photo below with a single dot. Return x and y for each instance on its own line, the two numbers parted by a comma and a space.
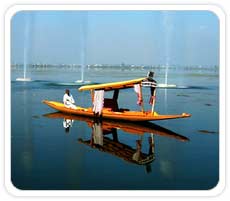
108, 114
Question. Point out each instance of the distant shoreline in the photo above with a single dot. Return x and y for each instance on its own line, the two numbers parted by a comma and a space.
114, 67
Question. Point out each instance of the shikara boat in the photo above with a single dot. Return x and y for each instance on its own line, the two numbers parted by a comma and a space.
111, 109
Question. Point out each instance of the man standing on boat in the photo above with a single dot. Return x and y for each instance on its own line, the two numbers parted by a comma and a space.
153, 84
150, 76
150, 82
68, 100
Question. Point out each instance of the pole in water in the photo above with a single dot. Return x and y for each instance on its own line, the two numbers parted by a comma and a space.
166, 74
25, 50
26, 37
83, 45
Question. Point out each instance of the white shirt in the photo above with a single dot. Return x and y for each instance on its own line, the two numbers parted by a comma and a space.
68, 100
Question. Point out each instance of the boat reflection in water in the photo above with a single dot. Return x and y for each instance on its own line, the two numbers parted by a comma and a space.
100, 137
100, 140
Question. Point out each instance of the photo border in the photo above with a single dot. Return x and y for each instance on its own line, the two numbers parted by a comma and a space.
143, 193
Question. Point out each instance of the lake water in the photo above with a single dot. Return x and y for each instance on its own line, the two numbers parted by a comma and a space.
47, 156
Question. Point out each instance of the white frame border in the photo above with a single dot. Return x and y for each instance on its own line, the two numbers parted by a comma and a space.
143, 193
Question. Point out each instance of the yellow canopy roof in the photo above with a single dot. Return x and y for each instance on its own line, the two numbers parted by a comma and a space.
112, 85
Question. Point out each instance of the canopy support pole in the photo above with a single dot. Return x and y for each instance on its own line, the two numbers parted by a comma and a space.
154, 100
115, 94
92, 95
142, 101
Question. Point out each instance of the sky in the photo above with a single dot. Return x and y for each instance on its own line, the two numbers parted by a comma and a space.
114, 37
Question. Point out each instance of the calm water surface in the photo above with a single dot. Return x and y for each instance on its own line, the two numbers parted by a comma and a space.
46, 156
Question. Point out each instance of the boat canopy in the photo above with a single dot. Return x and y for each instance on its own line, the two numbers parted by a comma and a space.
112, 85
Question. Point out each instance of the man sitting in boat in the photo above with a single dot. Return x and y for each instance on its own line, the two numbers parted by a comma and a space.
68, 100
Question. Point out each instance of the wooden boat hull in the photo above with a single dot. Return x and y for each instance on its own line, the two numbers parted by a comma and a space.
107, 114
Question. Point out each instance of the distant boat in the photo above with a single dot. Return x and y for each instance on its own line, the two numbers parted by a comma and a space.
110, 108
83, 81
26, 79
166, 85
